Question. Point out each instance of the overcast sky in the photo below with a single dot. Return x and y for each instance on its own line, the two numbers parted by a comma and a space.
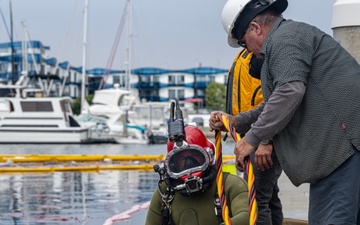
170, 34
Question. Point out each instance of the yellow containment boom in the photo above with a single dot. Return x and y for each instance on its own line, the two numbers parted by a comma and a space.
84, 157
22, 163
63, 158
89, 168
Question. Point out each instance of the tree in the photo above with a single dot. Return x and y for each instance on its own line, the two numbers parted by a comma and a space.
216, 96
76, 104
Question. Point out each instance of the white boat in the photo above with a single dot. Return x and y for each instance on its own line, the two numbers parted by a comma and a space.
40, 120
111, 129
154, 117
114, 100
108, 117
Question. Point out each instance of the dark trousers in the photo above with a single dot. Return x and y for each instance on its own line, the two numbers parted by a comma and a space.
335, 199
268, 201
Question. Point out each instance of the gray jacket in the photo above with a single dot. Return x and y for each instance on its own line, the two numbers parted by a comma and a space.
311, 86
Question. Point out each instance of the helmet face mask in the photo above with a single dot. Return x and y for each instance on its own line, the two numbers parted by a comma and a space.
188, 165
187, 161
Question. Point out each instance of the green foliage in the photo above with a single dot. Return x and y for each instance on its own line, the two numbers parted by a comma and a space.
89, 99
76, 104
216, 96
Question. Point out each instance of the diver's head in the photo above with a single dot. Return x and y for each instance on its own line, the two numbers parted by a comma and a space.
189, 164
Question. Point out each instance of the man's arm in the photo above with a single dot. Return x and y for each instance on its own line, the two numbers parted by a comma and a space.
245, 119
277, 112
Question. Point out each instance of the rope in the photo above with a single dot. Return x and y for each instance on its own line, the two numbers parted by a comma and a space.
248, 169
114, 49
126, 215
219, 179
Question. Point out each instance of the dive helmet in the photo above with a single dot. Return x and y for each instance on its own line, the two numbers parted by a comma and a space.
190, 166
192, 158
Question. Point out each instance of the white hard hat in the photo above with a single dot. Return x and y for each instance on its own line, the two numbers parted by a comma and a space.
239, 13
229, 15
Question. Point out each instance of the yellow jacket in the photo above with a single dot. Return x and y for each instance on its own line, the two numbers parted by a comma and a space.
243, 90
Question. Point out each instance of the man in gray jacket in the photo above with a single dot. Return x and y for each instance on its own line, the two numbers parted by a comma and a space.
311, 88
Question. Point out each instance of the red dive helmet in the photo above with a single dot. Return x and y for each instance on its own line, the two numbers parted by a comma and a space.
191, 157
188, 164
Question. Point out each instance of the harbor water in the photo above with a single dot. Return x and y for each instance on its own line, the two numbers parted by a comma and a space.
91, 198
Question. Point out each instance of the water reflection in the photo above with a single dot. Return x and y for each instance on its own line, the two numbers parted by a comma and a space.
91, 198
72, 197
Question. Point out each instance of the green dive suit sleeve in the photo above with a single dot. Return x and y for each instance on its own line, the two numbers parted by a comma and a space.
154, 212
237, 194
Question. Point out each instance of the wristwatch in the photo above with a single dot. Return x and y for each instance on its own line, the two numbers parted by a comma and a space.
267, 142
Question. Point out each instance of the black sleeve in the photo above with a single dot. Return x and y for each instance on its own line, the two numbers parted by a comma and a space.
255, 67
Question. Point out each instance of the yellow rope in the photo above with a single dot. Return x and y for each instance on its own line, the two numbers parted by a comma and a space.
219, 179
249, 172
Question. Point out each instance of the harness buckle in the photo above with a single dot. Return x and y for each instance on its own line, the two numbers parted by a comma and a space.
193, 184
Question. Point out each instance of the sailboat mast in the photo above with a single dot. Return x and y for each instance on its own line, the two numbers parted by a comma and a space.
13, 79
24, 49
128, 44
84, 80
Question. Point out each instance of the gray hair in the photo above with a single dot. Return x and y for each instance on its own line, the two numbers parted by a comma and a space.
267, 17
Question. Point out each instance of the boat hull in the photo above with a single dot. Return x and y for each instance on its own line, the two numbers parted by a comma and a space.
44, 136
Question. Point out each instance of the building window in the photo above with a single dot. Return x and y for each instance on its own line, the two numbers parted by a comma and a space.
172, 79
143, 79
200, 79
156, 78
181, 79
172, 94
180, 94
177, 94
200, 92
116, 79
123, 81
212, 78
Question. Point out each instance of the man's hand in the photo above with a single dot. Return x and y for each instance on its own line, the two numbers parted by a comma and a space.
242, 149
263, 157
215, 122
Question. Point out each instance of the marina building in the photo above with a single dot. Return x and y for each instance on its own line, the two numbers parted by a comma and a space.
30, 59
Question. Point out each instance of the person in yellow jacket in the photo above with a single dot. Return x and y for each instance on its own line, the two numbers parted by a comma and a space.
187, 191
243, 85
243, 94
